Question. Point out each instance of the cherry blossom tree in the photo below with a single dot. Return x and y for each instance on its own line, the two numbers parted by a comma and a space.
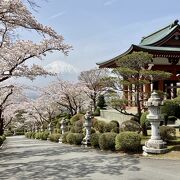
94, 83
15, 52
10, 97
68, 96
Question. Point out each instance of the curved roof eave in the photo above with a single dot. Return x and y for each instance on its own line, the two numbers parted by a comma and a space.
117, 57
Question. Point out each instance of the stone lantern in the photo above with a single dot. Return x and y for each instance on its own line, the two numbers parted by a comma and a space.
88, 123
63, 128
50, 128
154, 145
41, 128
63, 125
36, 128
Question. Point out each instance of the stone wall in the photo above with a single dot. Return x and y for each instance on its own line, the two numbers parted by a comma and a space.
114, 115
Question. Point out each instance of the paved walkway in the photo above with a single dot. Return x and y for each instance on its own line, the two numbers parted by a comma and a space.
25, 159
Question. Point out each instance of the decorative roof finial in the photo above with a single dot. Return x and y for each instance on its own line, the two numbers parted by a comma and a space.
176, 22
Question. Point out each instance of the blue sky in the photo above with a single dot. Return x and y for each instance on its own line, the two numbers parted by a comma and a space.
101, 29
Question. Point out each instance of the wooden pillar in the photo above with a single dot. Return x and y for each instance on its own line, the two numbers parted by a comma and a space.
147, 90
174, 90
168, 90
161, 85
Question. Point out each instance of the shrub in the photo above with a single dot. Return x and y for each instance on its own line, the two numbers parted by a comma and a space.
2, 139
30, 134
97, 112
70, 138
95, 139
44, 135
144, 123
54, 137
99, 126
101, 103
33, 135
57, 131
167, 133
79, 138
128, 141
171, 108
107, 141
38, 135
74, 138
131, 125
115, 126
64, 137
76, 118
9, 133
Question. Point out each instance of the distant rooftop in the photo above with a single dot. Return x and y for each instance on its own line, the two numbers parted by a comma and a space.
160, 34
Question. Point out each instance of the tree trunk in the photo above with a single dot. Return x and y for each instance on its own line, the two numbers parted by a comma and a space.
1, 124
138, 103
144, 130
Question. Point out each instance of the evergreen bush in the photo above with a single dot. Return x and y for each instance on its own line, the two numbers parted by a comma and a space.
74, 138
75, 118
128, 141
167, 133
107, 141
101, 103
2, 139
97, 112
130, 125
144, 123
95, 139
44, 135
64, 140
54, 137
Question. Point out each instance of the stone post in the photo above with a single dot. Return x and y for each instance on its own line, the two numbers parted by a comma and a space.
50, 128
36, 129
41, 128
63, 125
154, 145
88, 123
63, 128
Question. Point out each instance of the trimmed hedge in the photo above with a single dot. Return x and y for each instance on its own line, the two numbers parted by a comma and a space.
128, 141
103, 127
95, 139
130, 125
30, 134
167, 133
76, 118
54, 137
74, 138
63, 136
107, 141
2, 139
44, 135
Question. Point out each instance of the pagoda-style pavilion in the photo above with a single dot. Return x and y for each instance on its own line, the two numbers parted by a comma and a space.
164, 45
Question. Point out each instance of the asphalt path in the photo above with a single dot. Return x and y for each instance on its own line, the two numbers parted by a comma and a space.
26, 159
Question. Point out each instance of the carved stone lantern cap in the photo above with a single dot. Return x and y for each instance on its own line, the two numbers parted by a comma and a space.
63, 121
154, 100
88, 115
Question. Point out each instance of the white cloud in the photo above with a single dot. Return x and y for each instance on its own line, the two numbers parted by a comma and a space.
57, 15
108, 3
60, 67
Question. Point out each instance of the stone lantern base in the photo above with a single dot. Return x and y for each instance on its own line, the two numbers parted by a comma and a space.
155, 147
